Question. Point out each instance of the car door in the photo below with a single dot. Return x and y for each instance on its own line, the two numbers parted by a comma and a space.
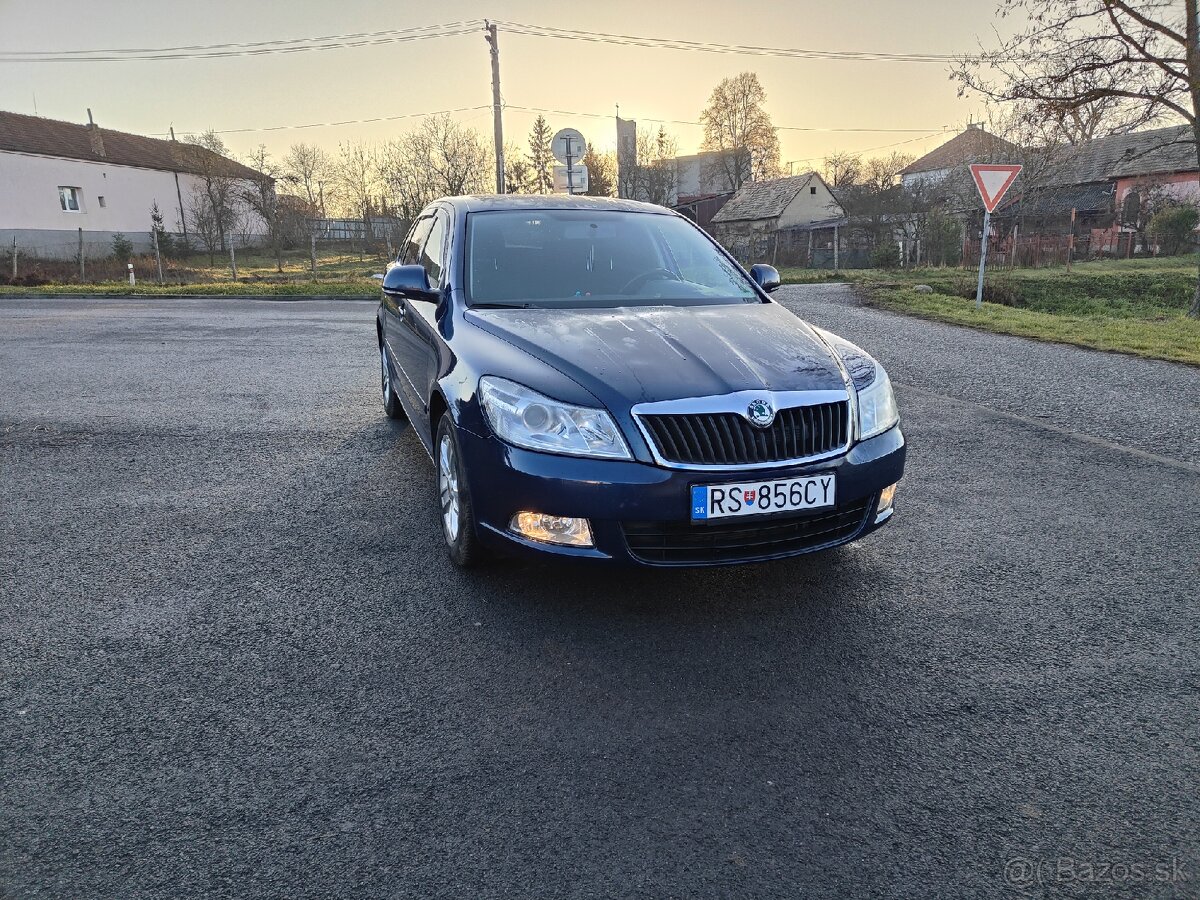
417, 340
395, 310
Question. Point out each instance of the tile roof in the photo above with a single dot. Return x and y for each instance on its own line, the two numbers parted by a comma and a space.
51, 137
1155, 152
1060, 200
973, 145
763, 199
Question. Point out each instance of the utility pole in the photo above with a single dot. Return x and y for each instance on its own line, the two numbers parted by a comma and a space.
497, 120
179, 197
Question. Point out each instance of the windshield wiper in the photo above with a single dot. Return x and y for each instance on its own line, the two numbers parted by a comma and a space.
503, 306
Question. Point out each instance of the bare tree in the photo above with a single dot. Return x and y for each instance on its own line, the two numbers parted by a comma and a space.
457, 156
215, 194
259, 195
518, 173
308, 168
841, 169
875, 200
736, 123
654, 173
1141, 54
356, 177
211, 221
541, 156
439, 158
602, 172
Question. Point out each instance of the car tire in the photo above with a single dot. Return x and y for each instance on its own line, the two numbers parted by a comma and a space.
391, 402
457, 513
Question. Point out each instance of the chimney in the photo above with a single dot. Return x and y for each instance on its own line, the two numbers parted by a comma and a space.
94, 136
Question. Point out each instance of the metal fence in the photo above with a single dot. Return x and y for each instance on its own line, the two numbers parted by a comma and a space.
97, 259
1039, 251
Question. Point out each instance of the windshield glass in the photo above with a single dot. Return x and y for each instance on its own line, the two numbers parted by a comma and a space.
579, 257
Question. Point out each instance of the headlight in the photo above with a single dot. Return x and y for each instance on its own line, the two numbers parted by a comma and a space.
528, 419
877, 406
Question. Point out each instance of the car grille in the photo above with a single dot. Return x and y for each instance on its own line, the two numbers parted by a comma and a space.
728, 439
734, 540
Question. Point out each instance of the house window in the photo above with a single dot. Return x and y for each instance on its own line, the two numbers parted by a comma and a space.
100, 200
813, 191
68, 198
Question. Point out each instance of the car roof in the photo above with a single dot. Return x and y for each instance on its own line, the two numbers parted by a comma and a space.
486, 202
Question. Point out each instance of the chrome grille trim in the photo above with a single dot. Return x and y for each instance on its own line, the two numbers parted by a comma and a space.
737, 404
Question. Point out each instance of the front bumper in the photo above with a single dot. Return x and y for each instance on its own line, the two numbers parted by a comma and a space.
626, 501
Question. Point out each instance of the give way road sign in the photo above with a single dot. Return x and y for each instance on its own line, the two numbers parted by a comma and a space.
992, 182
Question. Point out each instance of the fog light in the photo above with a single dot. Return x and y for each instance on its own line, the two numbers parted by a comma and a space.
886, 496
553, 529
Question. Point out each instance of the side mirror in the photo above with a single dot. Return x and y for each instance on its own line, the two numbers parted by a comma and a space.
766, 277
408, 281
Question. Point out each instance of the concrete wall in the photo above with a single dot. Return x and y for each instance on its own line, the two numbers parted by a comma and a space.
700, 174
918, 180
31, 212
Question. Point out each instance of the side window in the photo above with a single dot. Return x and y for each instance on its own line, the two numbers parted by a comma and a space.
411, 254
433, 256
68, 199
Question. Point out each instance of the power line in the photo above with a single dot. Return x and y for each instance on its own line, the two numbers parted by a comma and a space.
713, 47
257, 48
437, 112
450, 29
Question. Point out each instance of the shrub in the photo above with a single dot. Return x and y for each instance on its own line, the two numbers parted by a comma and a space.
122, 248
1174, 226
886, 256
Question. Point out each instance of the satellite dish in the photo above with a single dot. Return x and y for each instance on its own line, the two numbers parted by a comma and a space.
568, 146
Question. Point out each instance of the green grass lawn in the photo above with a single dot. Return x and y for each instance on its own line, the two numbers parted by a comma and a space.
1136, 306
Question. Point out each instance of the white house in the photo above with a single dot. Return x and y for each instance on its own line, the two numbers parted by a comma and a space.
59, 177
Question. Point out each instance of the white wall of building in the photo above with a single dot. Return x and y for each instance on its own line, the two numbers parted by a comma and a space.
917, 180
30, 209
814, 203
701, 173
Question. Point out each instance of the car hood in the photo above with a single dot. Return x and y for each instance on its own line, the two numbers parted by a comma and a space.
633, 355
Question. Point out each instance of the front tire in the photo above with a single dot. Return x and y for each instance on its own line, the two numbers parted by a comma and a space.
454, 498
391, 402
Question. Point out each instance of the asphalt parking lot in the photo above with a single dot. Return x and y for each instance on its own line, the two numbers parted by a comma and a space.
234, 661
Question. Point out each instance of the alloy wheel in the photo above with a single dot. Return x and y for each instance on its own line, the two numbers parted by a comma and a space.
448, 488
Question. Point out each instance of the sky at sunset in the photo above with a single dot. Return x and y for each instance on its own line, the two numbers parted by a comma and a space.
453, 72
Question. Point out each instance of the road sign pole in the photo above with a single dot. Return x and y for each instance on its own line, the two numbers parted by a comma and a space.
987, 222
993, 181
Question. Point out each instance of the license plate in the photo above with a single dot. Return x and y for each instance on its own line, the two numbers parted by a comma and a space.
717, 501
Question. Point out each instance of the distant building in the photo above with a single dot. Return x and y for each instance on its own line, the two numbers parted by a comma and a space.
1104, 190
58, 177
696, 185
975, 145
781, 219
703, 184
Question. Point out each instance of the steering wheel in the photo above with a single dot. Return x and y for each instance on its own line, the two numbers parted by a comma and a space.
638, 281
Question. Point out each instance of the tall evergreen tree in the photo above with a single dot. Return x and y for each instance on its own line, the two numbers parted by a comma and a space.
541, 156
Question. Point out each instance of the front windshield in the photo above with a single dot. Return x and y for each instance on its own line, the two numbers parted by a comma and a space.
580, 257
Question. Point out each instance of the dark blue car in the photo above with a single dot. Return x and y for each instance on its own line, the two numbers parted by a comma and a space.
599, 379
